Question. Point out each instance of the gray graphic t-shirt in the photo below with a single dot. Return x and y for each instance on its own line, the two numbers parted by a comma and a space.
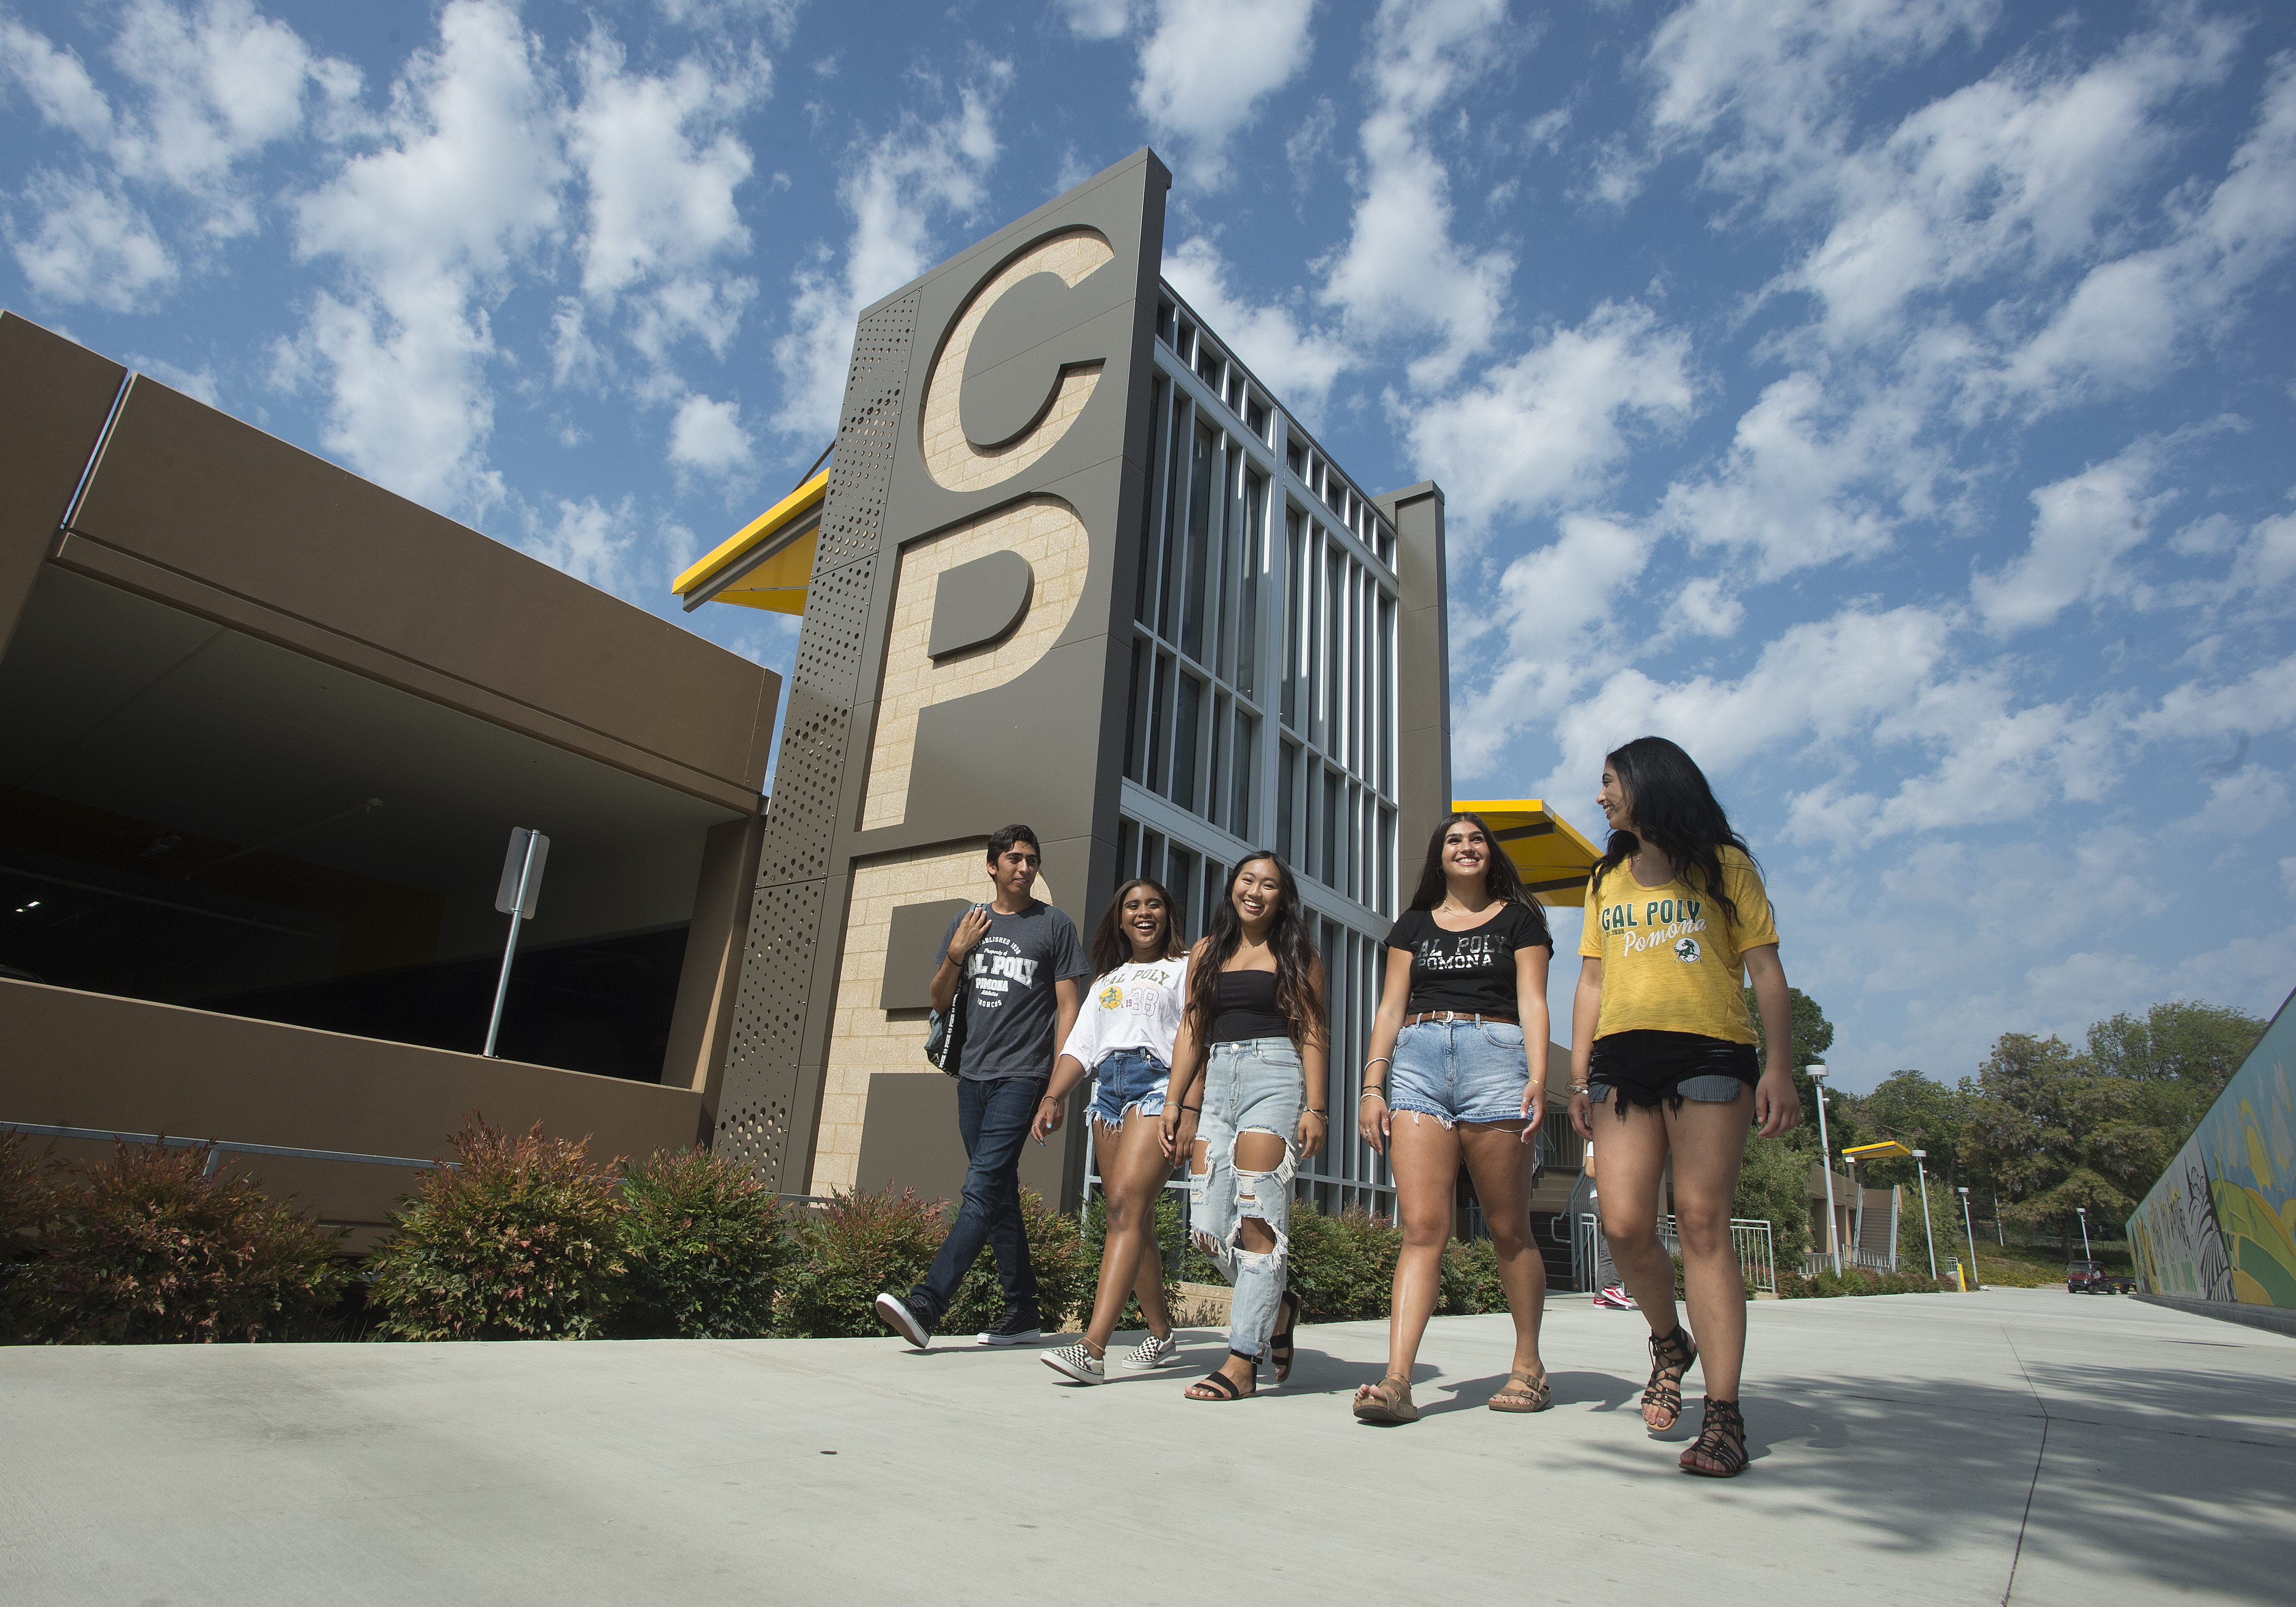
1010, 1010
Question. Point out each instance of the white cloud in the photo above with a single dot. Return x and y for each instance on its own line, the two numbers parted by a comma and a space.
2263, 700
2237, 806
2267, 559
1402, 273
587, 540
91, 245
707, 436
661, 171
1206, 68
1296, 359
893, 189
2082, 526
1551, 424
1096, 19
57, 81
463, 184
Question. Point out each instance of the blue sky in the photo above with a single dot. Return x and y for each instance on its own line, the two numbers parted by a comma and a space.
1889, 401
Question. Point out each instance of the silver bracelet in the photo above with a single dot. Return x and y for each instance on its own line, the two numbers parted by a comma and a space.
1380, 1060
1378, 1094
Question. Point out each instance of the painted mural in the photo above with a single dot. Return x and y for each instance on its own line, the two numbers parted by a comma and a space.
2220, 1224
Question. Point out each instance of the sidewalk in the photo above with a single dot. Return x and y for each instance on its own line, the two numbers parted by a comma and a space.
2058, 1448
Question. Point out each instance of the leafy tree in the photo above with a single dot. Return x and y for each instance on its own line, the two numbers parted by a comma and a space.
1813, 1036
1921, 1113
2184, 1050
2057, 1134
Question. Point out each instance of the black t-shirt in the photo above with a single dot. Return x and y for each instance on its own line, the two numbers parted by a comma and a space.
1011, 1012
1473, 970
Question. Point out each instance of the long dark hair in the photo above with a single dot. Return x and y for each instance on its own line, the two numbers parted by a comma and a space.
1678, 814
1112, 944
1501, 880
1287, 940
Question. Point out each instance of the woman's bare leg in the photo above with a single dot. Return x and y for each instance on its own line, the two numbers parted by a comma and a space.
1709, 1141
1499, 1162
1424, 1156
1633, 1161
1134, 1178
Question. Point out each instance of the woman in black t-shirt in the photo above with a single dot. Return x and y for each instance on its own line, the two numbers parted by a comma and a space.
1458, 1071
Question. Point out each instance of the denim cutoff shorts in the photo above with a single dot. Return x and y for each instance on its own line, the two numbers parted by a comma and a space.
1459, 1072
1705, 1090
1125, 1079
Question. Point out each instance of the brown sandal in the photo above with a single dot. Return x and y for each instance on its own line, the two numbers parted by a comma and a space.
1671, 1354
1534, 1394
1387, 1401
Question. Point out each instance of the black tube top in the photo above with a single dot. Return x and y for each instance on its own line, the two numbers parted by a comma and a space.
1247, 1007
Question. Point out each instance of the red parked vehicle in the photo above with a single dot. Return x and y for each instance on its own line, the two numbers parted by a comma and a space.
2087, 1277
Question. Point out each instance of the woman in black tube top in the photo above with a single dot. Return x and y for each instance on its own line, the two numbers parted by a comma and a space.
1677, 920
1250, 1060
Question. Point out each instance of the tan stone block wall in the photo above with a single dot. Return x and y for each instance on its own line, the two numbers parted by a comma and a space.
862, 1039
955, 462
1043, 530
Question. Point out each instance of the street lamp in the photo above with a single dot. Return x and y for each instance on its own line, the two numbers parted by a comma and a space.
2083, 1210
1825, 1165
1971, 1233
1927, 1237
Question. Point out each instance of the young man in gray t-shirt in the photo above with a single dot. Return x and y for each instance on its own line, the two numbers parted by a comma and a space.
1022, 966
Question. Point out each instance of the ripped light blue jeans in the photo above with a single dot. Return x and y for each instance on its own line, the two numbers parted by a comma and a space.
1254, 1084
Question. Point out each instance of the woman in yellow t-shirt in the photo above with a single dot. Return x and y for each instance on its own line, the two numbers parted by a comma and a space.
1676, 921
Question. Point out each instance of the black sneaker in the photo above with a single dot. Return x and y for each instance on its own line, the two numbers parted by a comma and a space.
1017, 1329
906, 1315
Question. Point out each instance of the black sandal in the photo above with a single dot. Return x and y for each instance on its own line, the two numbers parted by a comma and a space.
1222, 1387
1671, 1354
1279, 1345
1719, 1451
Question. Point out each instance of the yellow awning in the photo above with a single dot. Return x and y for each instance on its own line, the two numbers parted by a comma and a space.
1883, 1150
1555, 861
768, 563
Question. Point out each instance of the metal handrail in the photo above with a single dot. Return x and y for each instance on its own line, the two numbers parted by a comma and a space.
221, 1148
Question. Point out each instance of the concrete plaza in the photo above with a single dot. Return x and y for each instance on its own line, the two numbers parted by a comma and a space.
2026, 1444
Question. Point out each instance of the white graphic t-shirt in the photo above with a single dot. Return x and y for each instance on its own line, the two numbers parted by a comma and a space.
1135, 1007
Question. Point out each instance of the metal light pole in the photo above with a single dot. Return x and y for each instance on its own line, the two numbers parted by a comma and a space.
1927, 1237
521, 885
1825, 1165
2086, 1254
1973, 1239
1856, 1209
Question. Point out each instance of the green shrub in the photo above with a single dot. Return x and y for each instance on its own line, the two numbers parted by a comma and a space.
1471, 1280
1095, 1238
846, 1253
520, 1242
702, 1240
1853, 1281
150, 1248
26, 1203
1057, 1254
1343, 1268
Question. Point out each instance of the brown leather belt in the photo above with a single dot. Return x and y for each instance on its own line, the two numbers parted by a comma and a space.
1456, 1015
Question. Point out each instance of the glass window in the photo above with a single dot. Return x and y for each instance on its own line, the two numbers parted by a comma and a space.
1228, 551
1184, 742
1215, 889
1287, 792
1164, 321
1128, 850
1295, 544
1151, 855
1132, 714
1182, 884
1201, 484
1329, 651
1215, 800
1294, 459
1167, 592
1144, 605
1253, 554
1185, 342
1387, 888
1152, 774
1247, 753
1334, 876
1386, 695
1255, 418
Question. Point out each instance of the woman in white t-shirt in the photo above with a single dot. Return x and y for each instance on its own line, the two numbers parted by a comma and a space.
1123, 1040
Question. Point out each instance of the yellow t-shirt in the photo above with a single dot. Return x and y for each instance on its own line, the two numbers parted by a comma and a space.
1671, 962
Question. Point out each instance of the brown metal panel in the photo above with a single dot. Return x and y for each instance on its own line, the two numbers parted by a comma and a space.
702, 1020
909, 1141
1423, 652
89, 1059
196, 491
54, 398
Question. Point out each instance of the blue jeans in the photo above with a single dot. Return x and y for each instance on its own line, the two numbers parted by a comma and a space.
1254, 1085
1129, 1080
993, 1118
1456, 1071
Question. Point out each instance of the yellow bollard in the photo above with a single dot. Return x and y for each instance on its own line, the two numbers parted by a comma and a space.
1960, 1286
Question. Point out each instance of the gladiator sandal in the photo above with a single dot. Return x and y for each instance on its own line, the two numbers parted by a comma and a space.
1719, 1451
1671, 1354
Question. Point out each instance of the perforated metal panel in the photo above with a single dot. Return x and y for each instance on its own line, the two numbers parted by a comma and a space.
765, 1098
